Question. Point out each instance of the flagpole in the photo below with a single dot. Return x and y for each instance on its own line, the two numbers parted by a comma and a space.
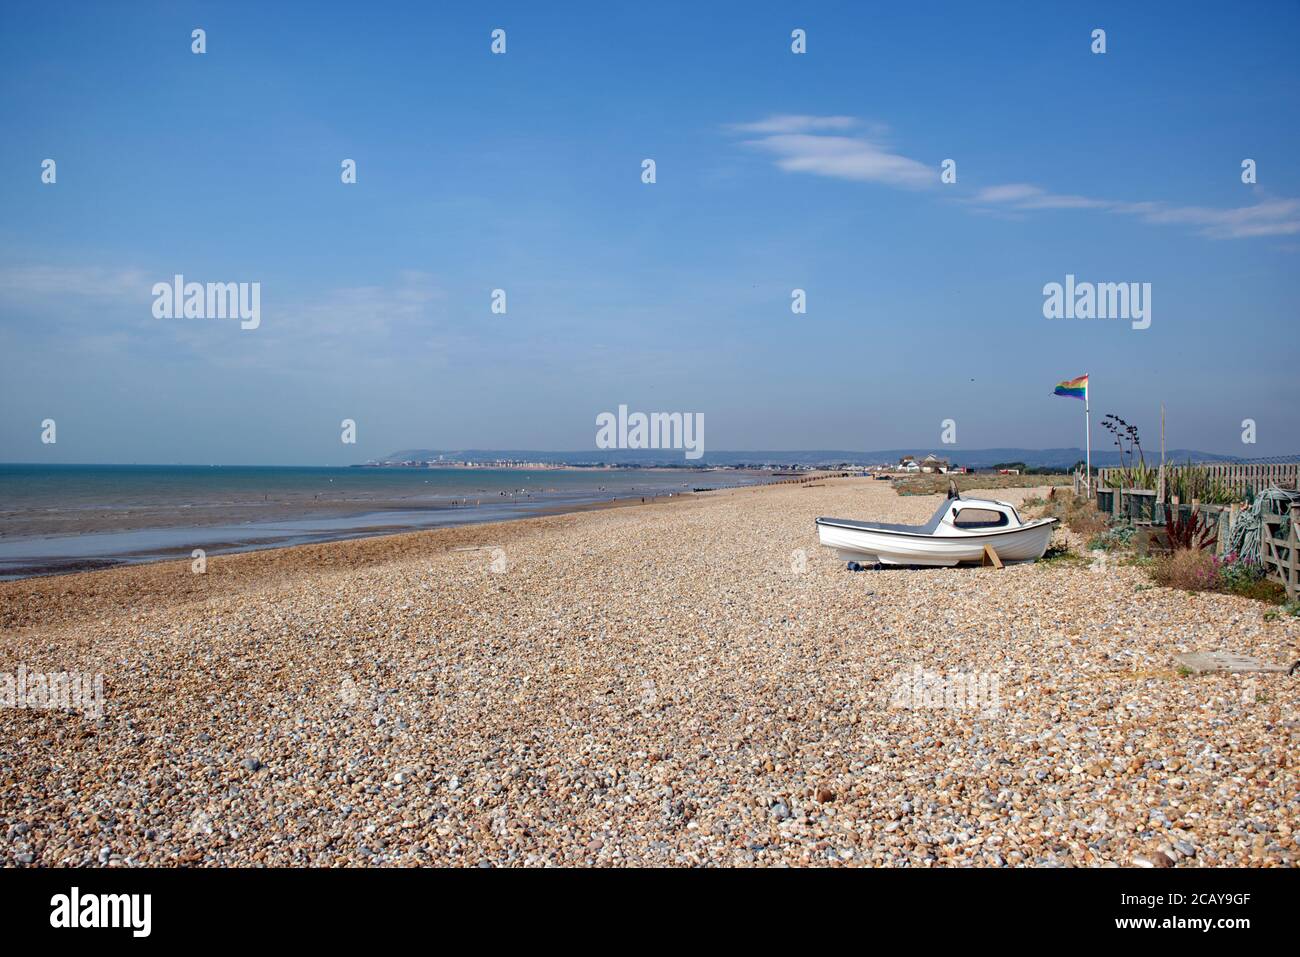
1087, 439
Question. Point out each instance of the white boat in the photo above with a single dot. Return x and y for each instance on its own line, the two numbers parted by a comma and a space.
956, 533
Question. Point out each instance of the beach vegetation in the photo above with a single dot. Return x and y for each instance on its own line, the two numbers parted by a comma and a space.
1189, 569
1188, 531
1133, 470
1193, 483
1117, 537
1189, 482
936, 483
1288, 608
1076, 512
1060, 553
1198, 569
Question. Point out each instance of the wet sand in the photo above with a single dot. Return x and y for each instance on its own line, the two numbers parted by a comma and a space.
101, 548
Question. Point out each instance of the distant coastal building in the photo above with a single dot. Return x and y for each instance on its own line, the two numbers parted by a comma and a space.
931, 463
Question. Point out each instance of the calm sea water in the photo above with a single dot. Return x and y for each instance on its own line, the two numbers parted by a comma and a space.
71, 517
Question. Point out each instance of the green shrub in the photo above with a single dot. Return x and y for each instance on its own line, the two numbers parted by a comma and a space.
1196, 569
1117, 537
1265, 590
1289, 608
1237, 574
1192, 569
1060, 553
1076, 512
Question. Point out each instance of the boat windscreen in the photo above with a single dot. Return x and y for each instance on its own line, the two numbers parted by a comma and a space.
929, 528
937, 517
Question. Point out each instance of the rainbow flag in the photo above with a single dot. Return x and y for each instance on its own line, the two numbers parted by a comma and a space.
1074, 388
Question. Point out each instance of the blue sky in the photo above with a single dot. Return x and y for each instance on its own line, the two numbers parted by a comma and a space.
775, 171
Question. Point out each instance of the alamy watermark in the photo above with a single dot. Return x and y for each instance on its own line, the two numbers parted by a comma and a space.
53, 691
179, 299
657, 430
75, 909
955, 691
1102, 300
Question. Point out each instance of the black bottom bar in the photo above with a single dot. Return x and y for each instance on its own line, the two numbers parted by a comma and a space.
370, 906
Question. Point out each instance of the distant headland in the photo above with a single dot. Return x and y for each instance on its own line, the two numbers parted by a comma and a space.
1061, 458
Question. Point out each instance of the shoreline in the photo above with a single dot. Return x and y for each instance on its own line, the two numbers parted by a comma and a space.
58, 592
175, 579
229, 543
53, 502
115, 545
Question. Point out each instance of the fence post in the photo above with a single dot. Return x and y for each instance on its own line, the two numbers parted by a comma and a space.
1293, 541
1225, 536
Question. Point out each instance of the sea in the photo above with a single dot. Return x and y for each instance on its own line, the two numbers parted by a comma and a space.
66, 518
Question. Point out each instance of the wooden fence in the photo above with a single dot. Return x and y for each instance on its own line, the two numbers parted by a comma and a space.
1281, 556
1279, 553
1235, 477
1139, 507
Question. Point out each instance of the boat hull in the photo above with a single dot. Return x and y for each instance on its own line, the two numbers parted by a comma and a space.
871, 546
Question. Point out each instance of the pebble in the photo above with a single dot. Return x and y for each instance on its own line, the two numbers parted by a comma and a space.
1153, 859
627, 677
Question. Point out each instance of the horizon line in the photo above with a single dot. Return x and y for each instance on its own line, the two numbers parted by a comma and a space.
1234, 459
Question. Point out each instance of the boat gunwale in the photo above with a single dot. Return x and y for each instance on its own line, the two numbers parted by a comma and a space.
860, 527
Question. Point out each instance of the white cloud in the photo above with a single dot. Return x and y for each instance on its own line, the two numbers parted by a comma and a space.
790, 123
1010, 193
1268, 217
800, 147
824, 146
1025, 196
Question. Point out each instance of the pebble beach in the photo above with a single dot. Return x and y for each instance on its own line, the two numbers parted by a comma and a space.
680, 683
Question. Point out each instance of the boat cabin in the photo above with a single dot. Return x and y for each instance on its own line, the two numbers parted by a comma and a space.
980, 514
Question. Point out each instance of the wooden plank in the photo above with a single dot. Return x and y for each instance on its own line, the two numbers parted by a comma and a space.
1208, 662
1283, 570
1292, 584
990, 557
